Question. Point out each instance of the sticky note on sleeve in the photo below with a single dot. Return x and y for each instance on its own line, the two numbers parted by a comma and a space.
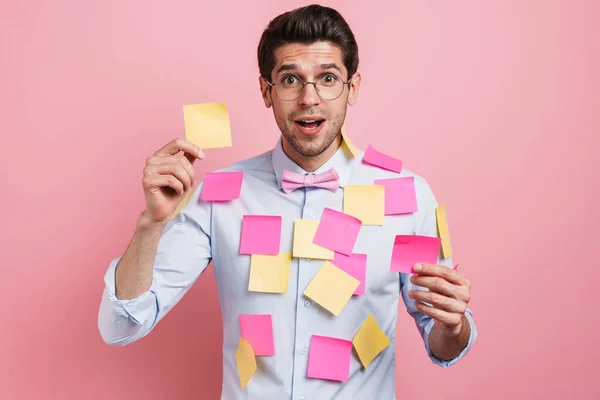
207, 125
442, 227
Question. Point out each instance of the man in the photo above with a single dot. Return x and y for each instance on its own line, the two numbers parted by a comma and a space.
308, 60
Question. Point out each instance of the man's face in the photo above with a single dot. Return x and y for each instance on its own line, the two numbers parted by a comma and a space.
315, 62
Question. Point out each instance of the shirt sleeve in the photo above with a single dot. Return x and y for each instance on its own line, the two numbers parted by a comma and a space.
183, 253
426, 225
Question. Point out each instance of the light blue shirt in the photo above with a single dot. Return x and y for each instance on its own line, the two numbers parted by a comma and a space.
205, 231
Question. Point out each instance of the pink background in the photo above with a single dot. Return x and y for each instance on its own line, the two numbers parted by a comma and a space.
496, 103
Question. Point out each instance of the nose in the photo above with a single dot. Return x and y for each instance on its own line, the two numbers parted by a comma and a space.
309, 96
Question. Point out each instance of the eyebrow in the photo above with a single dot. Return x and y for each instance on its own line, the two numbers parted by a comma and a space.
291, 67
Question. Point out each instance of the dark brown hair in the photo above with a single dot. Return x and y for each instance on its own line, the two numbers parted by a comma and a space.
307, 25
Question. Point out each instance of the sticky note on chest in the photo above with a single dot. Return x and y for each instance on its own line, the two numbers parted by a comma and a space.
304, 233
365, 202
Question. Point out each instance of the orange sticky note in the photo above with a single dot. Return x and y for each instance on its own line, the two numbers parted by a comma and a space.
207, 125
365, 202
331, 288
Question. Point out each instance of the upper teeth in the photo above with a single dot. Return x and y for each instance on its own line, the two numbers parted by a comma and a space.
310, 121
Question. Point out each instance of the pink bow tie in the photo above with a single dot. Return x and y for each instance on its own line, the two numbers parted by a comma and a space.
291, 181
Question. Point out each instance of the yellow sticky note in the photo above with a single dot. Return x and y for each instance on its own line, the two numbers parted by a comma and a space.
182, 204
331, 288
207, 125
246, 362
443, 233
369, 341
270, 274
347, 142
365, 202
304, 232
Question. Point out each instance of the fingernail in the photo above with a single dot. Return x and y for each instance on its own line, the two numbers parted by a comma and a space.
417, 267
201, 153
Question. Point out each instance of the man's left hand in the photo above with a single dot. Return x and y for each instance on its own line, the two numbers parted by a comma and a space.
449, 294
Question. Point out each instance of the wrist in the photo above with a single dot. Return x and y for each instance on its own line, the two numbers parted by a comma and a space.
146, 224
451, 331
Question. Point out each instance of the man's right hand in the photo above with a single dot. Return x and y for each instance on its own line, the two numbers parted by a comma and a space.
168, 178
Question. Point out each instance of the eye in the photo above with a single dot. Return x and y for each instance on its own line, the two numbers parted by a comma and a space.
329, 79
290, 80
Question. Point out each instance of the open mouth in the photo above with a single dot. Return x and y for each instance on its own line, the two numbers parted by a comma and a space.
310, 124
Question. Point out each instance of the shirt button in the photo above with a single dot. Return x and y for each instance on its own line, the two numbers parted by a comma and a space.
302, 398
304, 350
312, 215
307, 303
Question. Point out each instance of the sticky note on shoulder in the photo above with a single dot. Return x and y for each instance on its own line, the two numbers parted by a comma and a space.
207, 125
443, 232
347, 143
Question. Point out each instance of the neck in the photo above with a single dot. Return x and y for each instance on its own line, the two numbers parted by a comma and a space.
311, 164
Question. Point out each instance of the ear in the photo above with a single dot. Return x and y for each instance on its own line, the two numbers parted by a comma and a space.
353, 90
265, 90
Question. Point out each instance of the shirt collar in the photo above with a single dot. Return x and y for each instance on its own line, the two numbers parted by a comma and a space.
341, 161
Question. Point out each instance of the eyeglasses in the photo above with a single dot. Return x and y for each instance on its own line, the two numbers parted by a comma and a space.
328, 86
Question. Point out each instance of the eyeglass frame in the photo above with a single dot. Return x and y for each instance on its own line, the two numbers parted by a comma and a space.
304, 83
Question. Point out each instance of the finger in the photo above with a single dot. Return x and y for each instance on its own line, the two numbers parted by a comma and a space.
442, 286
179, 144
450, 319
448, 274
439, 301
176, 170
156, 182
176, 159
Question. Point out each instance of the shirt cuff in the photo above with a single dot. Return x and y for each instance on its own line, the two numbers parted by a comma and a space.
138, 309
448, 363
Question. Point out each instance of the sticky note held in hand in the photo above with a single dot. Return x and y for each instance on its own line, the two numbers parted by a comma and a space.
412, 249
207, 125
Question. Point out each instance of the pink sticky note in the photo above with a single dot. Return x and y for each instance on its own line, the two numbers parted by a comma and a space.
455, 267
410, 250
400, 195
261, 234
337, 231
257, 329
329, 358
222, 186
381, 160
355, 265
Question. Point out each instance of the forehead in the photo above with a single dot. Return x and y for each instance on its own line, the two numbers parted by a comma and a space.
308, 57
